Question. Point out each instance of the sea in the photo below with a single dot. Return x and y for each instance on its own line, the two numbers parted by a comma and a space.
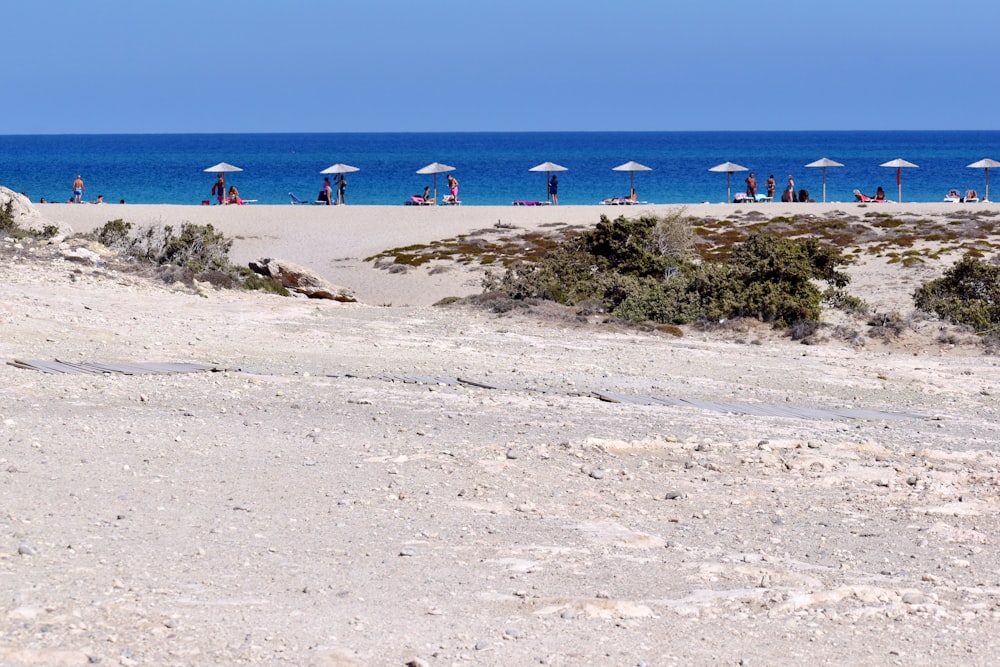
493, 168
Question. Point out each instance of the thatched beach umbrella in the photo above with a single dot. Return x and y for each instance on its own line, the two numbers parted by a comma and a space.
986, 164
730, 168
435, 168
900, 164
824, 162
632, 167
548, 168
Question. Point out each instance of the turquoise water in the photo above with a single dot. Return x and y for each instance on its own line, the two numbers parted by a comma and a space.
492, 168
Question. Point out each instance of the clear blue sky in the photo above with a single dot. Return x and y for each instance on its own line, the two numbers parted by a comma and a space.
115, 66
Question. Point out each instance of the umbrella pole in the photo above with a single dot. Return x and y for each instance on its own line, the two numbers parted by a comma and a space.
987, 195
824, 185
729, 190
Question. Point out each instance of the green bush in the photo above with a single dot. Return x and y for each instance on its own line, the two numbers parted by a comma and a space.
967, 293
639, 270
114, 233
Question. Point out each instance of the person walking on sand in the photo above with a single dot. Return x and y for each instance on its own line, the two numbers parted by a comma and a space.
752, 187
341, 189
453, 188
219, 189
78, 189
554, 190
771, 187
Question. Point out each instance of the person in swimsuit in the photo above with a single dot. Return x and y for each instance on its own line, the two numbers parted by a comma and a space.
752, 187
453, 187
554, 190
326, 194
219, 189
341, 189
771, 186
78, 190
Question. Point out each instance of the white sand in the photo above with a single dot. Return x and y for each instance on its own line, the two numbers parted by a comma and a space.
316, 511
335, 240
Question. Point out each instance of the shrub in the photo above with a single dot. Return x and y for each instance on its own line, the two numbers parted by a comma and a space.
114, 233
639, 270
967, 293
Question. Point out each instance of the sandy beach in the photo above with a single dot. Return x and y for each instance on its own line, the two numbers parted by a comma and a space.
334, 241
359, 484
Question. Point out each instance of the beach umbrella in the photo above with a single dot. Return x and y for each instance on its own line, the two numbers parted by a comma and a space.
340, 169
824, 162
899, 164
986, 164
222, 168
548, 168
632, 167
435, 168
730, 168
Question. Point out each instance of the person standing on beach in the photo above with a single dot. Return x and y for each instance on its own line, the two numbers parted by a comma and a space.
326, 194
789, 193
219, 189
78, 189
341, 189
771, 187
752, 187
453, 188
554, 190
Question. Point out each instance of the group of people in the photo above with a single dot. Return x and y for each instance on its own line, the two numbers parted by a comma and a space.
78, 191
326, 194
789, 194
427, 198
770, 184
222, 196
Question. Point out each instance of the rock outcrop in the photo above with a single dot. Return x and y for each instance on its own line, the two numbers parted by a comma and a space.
301, 280
25, 214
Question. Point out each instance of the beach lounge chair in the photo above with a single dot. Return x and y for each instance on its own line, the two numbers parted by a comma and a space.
953, 196
530, 203
296, 201
971, 197
417, 200
862, 197
451, 200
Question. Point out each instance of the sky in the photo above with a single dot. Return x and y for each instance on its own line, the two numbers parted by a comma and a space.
180, 66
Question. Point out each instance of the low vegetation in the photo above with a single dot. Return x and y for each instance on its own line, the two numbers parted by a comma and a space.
967, 293
194, 252
647, 269
10, 228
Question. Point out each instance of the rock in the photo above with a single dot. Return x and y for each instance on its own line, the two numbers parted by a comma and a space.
80, 255
914, 598
597, 473
673, 495
26, 550
407, 551
301, 280
25, 214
